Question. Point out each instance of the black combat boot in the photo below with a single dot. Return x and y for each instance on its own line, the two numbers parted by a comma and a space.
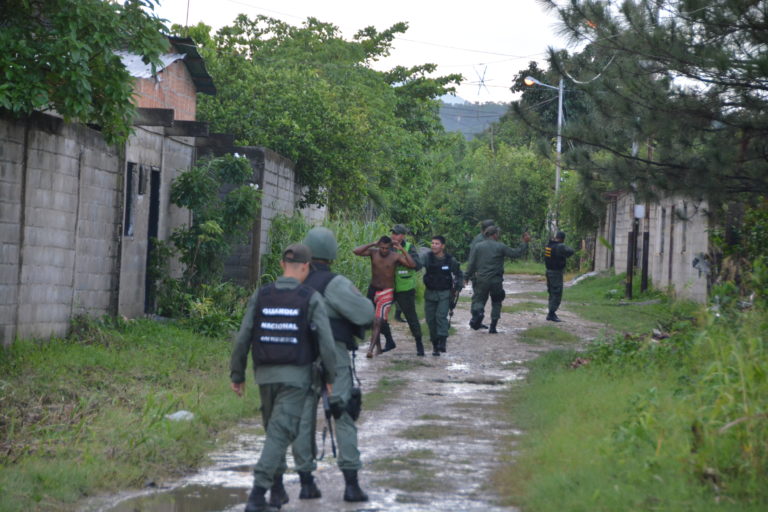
277, 495
435, 347
352, 490
553, 318
441, 342
257, 502
476, 322
493, 330
419, 347
390, 344
309, 490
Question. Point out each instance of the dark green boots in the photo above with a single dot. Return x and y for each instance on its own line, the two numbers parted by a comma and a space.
352, 490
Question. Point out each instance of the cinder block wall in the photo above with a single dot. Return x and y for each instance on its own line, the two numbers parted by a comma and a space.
58, 186
679, 230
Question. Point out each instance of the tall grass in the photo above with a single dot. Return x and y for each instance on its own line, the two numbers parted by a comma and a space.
87, 413
673, 424
349, 234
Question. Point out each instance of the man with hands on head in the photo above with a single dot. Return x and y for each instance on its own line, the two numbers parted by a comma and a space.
385, 256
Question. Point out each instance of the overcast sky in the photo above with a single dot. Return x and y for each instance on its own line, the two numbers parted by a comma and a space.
488, 42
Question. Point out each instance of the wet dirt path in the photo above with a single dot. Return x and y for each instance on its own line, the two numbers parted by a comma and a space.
431, 445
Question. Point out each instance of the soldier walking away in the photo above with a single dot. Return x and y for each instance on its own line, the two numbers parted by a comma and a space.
442, 278
405, 289
481, 235
350, 313
486, 269
285, 327
555, 254
385, 256
479, 238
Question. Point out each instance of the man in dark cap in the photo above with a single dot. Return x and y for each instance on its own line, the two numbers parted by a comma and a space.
285, 327
555, 254
405, 290
481, 235
486, 269
479, 238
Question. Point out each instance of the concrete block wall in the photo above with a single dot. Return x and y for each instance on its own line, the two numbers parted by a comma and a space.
678, 231
53, 178
11, 182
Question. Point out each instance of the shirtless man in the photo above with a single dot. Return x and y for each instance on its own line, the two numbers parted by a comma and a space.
385, 254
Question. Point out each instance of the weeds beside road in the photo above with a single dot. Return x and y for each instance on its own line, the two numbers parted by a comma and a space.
664, 423
648, 423
87, 414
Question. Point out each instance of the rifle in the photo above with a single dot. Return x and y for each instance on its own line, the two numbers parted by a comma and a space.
328, 428
455, 292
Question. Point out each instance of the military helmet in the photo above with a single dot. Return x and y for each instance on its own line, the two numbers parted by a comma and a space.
560, 236
486, 224
322, 243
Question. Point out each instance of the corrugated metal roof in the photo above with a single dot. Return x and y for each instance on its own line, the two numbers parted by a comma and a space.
187, 50
138, 69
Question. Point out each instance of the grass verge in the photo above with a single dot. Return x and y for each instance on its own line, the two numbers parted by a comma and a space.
88, 413
669, 424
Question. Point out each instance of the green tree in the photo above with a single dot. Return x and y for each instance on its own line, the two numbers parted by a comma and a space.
681, 104
514, 187
60, 55
355, 135
218, 220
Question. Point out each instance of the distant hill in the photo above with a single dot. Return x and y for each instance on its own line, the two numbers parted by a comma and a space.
470, 119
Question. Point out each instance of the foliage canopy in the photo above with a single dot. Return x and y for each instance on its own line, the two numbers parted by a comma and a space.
680, 104
59, 55
354, 134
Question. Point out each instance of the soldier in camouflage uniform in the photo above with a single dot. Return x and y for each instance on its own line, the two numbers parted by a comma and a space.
350, 313
285, 327
555, 254
486, 269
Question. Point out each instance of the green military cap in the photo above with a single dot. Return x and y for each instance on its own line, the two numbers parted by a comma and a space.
399, 229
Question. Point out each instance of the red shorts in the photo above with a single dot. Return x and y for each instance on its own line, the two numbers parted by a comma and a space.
383, 301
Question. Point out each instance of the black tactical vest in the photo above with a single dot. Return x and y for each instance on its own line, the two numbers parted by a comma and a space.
281, 330
343, 329
554, 259
438, 274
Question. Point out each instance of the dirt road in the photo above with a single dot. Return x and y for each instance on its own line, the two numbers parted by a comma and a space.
430, 433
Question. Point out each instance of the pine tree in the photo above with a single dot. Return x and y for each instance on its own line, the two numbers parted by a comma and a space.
678, 95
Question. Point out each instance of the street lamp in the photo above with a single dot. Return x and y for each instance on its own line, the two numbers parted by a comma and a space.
530, 81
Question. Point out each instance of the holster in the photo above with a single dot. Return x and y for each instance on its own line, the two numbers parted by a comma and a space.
355, 403
318, 378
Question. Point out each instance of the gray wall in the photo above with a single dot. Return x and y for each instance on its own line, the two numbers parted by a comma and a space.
59, 199
678, 231
63, 246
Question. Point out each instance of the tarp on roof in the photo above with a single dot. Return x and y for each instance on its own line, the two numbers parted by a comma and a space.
138, 69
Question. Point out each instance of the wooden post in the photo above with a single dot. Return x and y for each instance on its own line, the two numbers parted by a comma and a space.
644, 269
630, 263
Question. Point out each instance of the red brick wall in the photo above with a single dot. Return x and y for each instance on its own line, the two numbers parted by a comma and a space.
174, 90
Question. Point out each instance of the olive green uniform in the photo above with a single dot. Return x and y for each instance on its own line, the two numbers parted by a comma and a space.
554, 260
283, 388
437, 302
478, 238
486, 269
342, 300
